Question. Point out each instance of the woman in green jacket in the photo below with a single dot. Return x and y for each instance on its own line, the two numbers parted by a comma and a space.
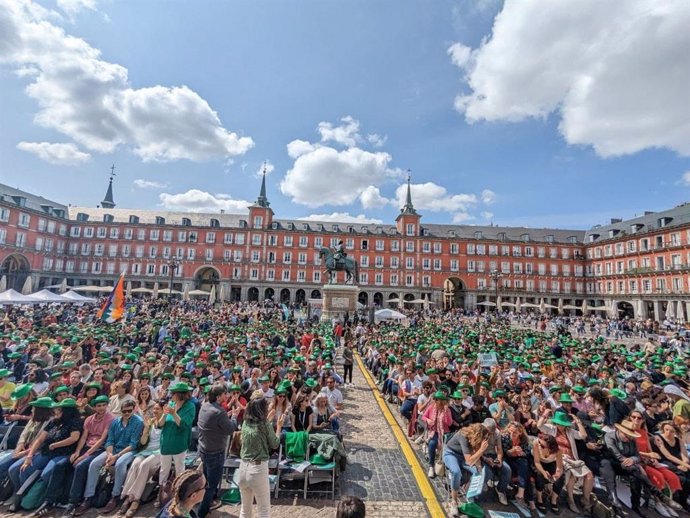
176, 434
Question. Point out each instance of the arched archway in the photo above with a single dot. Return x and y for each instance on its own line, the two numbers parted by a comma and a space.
625, 309
363, 298
269, 293
408, 297
16, 269
206, 278
253, 295
453, 293
315, 294
300, 296
285, 296
378, 299
394, 296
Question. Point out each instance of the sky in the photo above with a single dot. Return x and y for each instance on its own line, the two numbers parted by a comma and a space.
531, 113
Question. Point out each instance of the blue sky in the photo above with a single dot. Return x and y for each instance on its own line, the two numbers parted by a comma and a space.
523, 113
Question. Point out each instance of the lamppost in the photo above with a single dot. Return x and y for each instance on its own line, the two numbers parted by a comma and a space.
172, 266
495, 275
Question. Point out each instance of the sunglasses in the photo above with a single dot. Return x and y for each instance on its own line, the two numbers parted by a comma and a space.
636, 417
127, 410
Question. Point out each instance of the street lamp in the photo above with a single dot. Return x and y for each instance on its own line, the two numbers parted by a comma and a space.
495, 275
172, 266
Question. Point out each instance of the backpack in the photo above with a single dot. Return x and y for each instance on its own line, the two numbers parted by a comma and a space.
104, 487
35, 495
6, 488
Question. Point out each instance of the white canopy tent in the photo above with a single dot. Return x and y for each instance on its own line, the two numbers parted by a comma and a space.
529, 305
394, 301
75, 297
388, 314
198, 293
570, 306
486, 303
14, 297
166, 291
49, 296
510, 304
142, 290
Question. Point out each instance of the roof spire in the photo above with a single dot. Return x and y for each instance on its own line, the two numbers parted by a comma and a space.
408, 208
108, 202
262, 200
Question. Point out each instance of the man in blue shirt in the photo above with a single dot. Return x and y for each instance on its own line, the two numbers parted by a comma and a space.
123, 439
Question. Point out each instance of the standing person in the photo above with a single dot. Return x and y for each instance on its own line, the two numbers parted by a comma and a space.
215, 427
258, 439
176, 421
348, 364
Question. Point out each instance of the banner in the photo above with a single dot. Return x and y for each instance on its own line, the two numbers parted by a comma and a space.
114, 307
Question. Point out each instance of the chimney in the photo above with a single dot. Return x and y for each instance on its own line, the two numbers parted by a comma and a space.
648, 212
616, 220
222, 211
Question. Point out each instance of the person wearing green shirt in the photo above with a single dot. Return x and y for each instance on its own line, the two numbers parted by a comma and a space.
258, 439
176, 434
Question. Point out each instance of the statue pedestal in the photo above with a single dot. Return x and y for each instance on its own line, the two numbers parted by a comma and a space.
339, 299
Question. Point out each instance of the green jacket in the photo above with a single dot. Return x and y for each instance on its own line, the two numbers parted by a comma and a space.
176, 439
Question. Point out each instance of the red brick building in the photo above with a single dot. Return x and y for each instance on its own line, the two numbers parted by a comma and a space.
637, 267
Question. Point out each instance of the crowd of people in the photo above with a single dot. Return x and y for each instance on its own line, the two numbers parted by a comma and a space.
107, 415
540, 406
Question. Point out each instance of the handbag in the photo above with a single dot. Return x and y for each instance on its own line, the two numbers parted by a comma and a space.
236, 444
440, 468
600, 510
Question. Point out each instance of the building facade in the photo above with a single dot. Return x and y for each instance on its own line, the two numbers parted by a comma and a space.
639, 267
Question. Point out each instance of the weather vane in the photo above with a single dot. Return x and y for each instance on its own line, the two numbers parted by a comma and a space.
112, 171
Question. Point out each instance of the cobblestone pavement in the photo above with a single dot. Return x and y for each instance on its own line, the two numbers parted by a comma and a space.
377, 470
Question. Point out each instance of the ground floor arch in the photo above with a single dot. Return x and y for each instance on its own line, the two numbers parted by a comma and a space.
285, 296
315, 294
269, 293
15, 268
206, 278
363, 298
453, 293
253, 294
300, 296
378, 299
625, 309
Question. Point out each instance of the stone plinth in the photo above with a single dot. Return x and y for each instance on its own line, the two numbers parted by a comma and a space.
339, 299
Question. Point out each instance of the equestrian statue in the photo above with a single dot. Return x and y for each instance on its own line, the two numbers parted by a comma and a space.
336, 261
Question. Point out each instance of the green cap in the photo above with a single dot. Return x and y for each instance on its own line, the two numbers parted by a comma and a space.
60, 389
560, 418
100, 399
180, 387
440, 395
21, 391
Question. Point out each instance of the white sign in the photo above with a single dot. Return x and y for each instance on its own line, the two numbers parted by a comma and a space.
340, 302
487, 359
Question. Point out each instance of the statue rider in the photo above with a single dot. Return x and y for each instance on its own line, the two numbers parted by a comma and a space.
340, 253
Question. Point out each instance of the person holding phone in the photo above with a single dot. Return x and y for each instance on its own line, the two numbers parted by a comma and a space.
548, 463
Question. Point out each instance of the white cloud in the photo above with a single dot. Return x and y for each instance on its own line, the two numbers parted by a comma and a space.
617, 73
72, 7
297, 148
462, 217
341, 217
435, 198
148, 184
377, 140
371, 198
58, 154
326, 176
488, 216
91, 100
195, 200
685, 178
346, 134
488, 196
459, 54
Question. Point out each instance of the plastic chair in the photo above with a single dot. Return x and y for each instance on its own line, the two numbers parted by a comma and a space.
320, 473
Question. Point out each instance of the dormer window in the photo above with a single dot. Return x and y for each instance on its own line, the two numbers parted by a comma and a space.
613, 232
274, 225
186, 222
549, 238
160, 220
108, 218
524, 238
664, 222
133, 220
572, 239
19, 200
82, 217
636, 227
593, 237
291, 226
214, 223
478, 235
363, 230
305, 226
501, 236
335, 228
350, 229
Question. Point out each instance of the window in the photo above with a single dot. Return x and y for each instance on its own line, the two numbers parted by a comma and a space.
287, 241
210, 237
409, 246
395, 262
75, 232
364, 278
395, 246
139, 251
39, 243
426, 247
254, 273
426, 264
302, 258
470, 249
454, 265
409, 263
256, 239
270, 274
517, 267
410, 229
209, 254
301, 275
316, 276
182, 236
454, 248
4, 215
542, 269
378, 279
166, 252
227, 238
191, 254
481, 249
303, 241
380, 244
286, 275
256, 256
318, 242
378, 261
287, 257
237, 256
167, 235
437, 264
409, 280
364, 261
365, 244
153, 251
41, 224
258, 221
394, 279
554, 269
24, 219
239, 239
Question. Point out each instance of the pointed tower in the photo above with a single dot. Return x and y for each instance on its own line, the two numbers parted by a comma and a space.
261, 214
407, 222
108, 202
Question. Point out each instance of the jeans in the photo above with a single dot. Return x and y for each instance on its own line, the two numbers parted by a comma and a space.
433, 445
213, 471
81, 472
520, 465
407, 407
59, 481
502, 473
347, 373
254, 484
40, 462
5, 462
121, 466
454, 465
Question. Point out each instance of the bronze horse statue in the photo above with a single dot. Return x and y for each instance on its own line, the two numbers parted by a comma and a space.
348, 265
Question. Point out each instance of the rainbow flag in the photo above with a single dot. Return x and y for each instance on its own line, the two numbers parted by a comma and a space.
114, 307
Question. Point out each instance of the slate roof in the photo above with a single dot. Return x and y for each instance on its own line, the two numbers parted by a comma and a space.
31, 201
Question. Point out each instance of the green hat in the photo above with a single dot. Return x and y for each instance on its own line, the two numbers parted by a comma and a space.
126, 367
565, 398
264, 379
280, 391
67, 365
168, 376
42, 402
579, 389
60, 389
68, 402
472, 510
456, 395
14, 356
618, 393
55, 375
311, 383
234, 387
100, 399
180, 387
441, 396
499, 393
93, 384
594, 381
21, 391
597, 427
431, 371
5, 373
561, 418
130, 356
